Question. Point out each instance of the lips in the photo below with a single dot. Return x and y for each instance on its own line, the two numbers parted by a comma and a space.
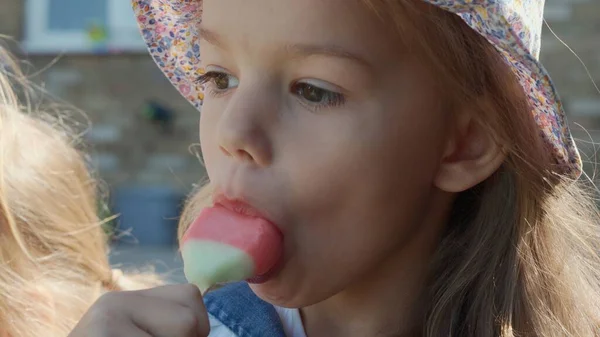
240, 206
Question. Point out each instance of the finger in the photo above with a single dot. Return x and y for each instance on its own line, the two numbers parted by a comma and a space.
166, 318
116, 329
186, 295
129, 330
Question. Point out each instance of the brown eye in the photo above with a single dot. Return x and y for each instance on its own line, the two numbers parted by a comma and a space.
222, 81
310, 92
219, 80
317, 96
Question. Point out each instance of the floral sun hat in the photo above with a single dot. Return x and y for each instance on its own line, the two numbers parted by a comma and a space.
514, 27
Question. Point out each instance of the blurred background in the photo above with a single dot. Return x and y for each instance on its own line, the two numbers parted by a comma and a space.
143, 131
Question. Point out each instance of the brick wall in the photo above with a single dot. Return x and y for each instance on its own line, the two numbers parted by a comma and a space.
112, 90
127, 149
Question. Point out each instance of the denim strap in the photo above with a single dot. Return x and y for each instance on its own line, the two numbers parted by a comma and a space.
238, 308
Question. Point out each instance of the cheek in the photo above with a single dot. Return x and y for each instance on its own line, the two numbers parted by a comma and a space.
367, 191
367, 161
209, 119
360, 190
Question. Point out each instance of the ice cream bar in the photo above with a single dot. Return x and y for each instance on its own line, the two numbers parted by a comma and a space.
225, 246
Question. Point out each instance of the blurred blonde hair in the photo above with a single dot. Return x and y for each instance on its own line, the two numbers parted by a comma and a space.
520, 255
53, 250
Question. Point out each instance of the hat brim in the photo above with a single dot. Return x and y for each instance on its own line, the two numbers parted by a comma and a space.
170, 31
546, 105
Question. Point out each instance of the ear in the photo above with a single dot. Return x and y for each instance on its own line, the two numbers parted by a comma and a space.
471, 156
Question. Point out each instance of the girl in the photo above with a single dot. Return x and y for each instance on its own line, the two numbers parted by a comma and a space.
414, 154
53, 251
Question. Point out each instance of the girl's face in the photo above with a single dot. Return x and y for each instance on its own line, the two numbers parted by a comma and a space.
317, 116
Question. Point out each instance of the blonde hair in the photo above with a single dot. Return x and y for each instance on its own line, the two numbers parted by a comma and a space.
53, 251
520, 255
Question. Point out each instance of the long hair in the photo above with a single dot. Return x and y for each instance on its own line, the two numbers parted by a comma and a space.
53, 251
520, 255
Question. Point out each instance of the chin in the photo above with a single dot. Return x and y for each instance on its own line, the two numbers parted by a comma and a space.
286, 294
276, 293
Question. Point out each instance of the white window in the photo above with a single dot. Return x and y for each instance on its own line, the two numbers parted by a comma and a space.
81, 26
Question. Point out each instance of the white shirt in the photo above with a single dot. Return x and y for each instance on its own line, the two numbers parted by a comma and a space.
290, 319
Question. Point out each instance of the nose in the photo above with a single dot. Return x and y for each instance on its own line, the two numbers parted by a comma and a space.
242, 133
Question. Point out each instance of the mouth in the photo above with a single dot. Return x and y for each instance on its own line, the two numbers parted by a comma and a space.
238, 206
242, 207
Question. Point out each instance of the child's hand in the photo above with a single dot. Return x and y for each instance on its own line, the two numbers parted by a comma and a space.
168, 311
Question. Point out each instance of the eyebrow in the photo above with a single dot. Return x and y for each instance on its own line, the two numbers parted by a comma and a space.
299, 49
306, 50
210, 37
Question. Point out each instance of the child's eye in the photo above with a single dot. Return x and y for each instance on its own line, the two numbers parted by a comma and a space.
219, 80
317, 96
